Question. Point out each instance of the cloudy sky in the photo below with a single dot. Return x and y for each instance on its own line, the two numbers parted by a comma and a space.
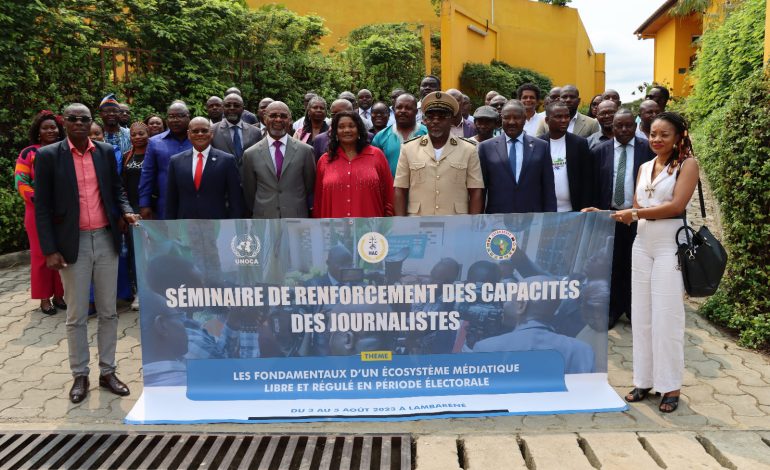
611, 25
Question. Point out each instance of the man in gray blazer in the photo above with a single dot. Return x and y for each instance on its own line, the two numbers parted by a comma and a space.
579, 124
278, 173
232, 135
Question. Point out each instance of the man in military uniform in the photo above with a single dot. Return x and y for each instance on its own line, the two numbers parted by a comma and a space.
438, 174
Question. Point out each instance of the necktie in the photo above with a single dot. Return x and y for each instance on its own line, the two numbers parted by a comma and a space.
512, 160
198, 171
278, 159
237, 145
619, 197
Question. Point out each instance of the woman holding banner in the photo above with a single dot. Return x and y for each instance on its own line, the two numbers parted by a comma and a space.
353, 178
664, 187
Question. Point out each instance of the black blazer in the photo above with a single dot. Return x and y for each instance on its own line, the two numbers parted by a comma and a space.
219, 196
535, 190
57, 203
579, 169
603, 156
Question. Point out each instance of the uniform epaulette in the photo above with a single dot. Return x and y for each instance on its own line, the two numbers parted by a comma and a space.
470, 141
413, 138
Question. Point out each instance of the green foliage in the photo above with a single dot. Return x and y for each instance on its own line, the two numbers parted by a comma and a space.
381, 57
733, 144
728, 55
12, 235
477, 79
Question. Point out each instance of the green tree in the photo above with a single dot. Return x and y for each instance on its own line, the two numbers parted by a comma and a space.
477, 79
384, 56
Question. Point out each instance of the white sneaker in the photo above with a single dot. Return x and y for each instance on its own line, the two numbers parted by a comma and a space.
135, 304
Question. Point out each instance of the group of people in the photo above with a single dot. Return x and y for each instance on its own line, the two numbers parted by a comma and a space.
83, 182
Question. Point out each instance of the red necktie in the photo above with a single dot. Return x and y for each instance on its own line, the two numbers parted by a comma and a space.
198, 171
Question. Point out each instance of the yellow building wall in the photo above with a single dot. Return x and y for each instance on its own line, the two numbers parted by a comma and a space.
343, 16
460, 44
548, 39
673, 52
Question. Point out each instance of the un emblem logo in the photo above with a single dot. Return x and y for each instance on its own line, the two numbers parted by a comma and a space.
246, 247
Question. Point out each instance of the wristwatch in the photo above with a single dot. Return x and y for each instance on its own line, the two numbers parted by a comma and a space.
635, 214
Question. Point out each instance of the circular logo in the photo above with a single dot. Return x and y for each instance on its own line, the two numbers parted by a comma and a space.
373, 247
501, 244
245, 246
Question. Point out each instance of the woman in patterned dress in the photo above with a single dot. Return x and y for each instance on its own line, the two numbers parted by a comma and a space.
46, 284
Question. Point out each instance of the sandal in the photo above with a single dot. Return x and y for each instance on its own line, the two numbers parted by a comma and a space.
59, 303
637, 394
671, 401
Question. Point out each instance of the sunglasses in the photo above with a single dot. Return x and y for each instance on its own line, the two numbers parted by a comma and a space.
83, 119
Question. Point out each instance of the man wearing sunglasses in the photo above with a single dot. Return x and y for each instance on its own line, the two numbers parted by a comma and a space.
81, 209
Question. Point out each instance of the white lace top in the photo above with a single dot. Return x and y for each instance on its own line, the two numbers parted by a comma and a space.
652, 193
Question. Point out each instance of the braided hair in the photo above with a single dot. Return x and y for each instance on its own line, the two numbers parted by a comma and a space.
682, 149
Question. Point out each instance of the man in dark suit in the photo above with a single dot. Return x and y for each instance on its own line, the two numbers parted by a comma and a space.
571, 159
203, 182
81, 209
232, 135
278, 173
616, 164
517, 168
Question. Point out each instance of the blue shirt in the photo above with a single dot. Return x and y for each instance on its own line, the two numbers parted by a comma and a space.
159, 151
389, 141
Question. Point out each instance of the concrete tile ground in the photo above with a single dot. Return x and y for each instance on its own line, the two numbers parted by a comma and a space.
724, 415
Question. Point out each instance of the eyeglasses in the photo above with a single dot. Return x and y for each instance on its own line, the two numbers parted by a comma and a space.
199, 131
176, 116
278, 116
83, 119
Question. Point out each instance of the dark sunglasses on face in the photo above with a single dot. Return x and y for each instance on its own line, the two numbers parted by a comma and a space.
83, 119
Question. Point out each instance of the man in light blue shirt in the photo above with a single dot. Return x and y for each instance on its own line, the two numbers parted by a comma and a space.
389, 140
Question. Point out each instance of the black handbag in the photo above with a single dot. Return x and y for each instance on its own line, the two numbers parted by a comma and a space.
702, 259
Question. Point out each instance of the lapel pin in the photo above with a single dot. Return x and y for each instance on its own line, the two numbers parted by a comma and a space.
213, 159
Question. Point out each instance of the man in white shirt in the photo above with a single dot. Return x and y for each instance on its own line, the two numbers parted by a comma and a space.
571, 161
580, 124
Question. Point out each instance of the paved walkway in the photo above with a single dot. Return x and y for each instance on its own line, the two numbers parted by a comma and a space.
723, 419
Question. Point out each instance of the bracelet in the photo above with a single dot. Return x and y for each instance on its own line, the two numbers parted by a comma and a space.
635, 214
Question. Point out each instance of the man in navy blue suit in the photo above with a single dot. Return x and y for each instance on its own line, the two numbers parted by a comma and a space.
517, 168
203, 182
616, 164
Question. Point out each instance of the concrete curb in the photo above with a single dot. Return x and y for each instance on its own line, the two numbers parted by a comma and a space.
14, 259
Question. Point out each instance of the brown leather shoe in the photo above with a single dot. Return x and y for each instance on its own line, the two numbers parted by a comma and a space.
113, 384
79, 390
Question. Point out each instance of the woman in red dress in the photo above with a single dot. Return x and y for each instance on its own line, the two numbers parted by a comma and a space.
353, 178
46, 283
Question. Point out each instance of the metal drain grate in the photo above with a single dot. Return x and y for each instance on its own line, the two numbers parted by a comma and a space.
210, 451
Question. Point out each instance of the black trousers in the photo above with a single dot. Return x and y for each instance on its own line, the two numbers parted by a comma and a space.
620, 287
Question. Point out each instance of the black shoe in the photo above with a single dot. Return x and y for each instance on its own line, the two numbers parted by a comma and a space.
50, 310
79, 390
113, 384
670, 402
60, 304
637, 394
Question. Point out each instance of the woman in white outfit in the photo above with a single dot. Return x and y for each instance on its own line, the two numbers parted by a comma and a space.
663, 190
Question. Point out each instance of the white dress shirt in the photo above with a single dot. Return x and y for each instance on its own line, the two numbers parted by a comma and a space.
629, 180
571, 127
271, 146
560, 179
519, 142
205, 153
531, 125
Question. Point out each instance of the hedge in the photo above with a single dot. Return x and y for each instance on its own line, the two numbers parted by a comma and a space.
477, 79
734, 146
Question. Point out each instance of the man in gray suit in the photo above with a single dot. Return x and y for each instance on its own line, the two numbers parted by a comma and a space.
579, 124
232, 135
278, 173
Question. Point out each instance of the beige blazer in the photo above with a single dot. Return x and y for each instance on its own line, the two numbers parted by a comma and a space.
584, 126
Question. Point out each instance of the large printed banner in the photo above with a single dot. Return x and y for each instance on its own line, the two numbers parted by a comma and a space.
373, 319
